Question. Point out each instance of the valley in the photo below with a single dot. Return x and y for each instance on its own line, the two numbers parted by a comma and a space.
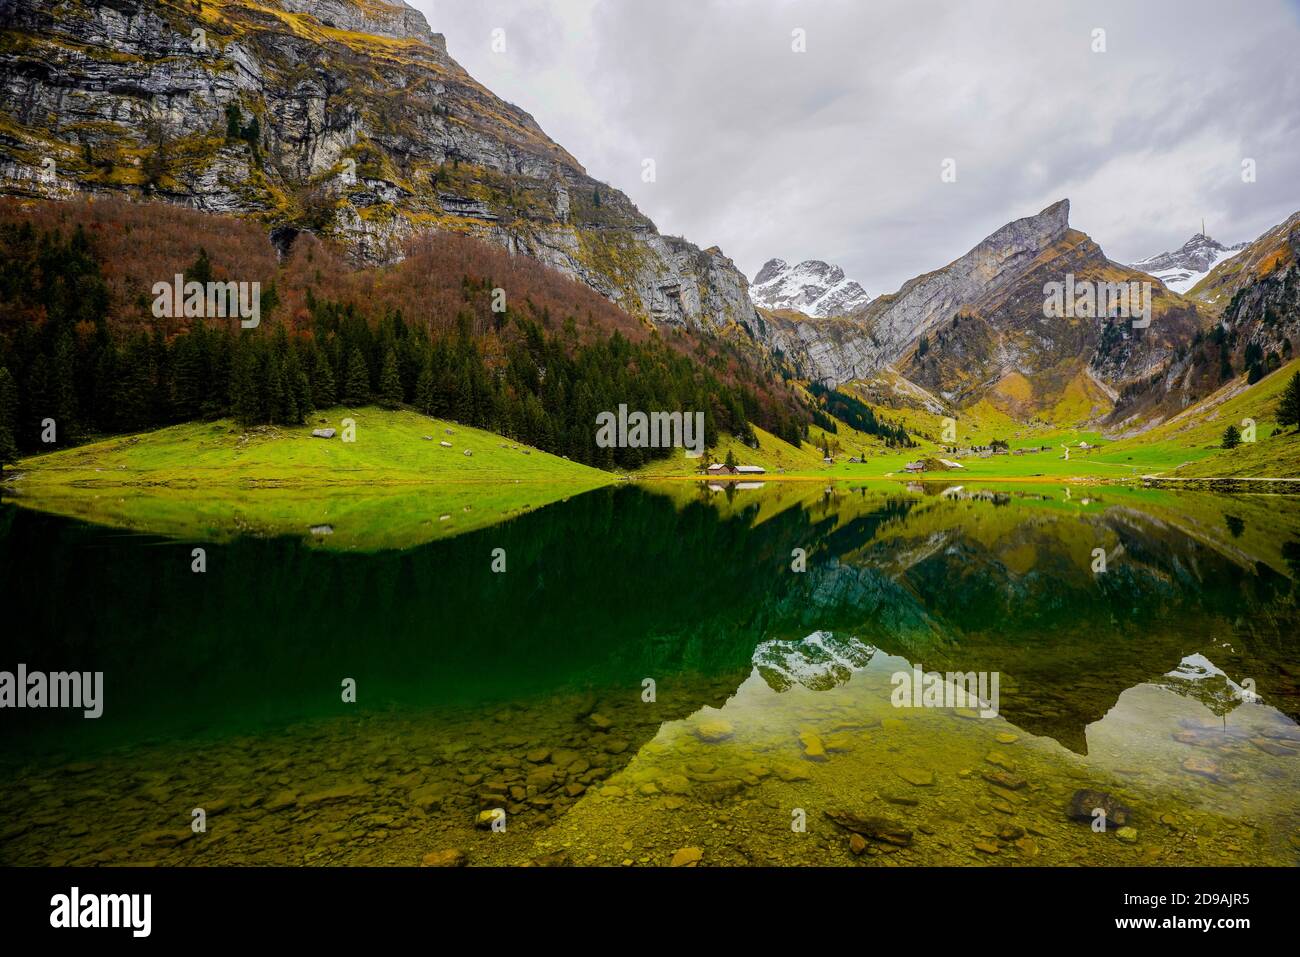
604, 540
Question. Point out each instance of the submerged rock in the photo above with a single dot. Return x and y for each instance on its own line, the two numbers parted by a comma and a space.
1272, 747
1004, 779
1085, 800
486, 818
553, 859
1202, 766
813, 748
714, 731
687, 857
916, 776
452, 857
877, 828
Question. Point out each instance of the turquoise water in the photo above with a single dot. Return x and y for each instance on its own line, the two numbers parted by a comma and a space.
1169, 683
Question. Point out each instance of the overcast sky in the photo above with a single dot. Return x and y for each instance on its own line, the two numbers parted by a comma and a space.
835, 153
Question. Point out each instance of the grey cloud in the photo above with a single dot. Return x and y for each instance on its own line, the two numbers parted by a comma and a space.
835, 153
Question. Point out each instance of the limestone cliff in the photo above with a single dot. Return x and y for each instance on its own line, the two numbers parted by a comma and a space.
344, 117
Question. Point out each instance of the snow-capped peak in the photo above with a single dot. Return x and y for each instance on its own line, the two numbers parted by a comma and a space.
812, 287
1184, 268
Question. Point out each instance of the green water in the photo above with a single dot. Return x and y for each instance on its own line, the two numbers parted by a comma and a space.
1170, 682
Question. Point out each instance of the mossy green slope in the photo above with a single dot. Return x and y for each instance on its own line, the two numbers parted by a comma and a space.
389, 448
395, 486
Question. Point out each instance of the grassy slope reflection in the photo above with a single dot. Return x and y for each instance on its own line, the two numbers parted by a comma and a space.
462, 670
623, 583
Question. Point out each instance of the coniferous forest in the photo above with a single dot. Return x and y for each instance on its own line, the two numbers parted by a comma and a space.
519, 372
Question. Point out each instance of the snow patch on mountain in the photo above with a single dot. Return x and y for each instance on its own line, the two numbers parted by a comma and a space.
1184, 268
819, 661
812, 287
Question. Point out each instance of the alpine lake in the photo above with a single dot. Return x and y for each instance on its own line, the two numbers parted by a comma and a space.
655, 674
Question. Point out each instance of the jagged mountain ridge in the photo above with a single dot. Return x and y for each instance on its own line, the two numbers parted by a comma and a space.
350, 119
1255, 297
1002, 347
976, 328
812, 287
1183, 268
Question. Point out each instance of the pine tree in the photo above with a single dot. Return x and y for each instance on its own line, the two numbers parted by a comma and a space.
302, 397
201, 270
8, 418
276, 399
357, 389
390, 382
136, 385
1288, 410
245, 390
425, 397
189, 367
322, 380
1231, 437
63, 386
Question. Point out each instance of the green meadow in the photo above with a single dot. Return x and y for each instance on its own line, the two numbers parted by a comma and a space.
395, 486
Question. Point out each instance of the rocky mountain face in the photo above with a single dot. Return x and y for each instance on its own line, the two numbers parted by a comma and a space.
812, 287
1001, 345
1183, 268
343, 117
1255, 296
977, 329
882, 331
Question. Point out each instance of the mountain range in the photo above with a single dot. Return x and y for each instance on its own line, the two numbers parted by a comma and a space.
349, 120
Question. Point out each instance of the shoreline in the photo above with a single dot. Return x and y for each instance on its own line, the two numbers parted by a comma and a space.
14, 480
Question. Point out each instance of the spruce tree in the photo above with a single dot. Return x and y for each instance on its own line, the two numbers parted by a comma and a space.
8, 418
63, 386
1231, 437
201, 270
322, 381
390, 382
245, 389
356, 391
424, 387
275, 397
1288, 410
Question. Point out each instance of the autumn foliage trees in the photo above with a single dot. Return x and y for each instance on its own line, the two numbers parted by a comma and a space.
79, 343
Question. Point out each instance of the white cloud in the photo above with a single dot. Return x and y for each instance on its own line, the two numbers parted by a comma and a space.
835, 153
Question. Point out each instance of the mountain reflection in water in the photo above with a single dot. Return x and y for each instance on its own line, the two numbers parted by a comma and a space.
1169, 679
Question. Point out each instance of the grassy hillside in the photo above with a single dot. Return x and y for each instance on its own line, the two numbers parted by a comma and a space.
773, 454
391, 448
1191, 442
391, 488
